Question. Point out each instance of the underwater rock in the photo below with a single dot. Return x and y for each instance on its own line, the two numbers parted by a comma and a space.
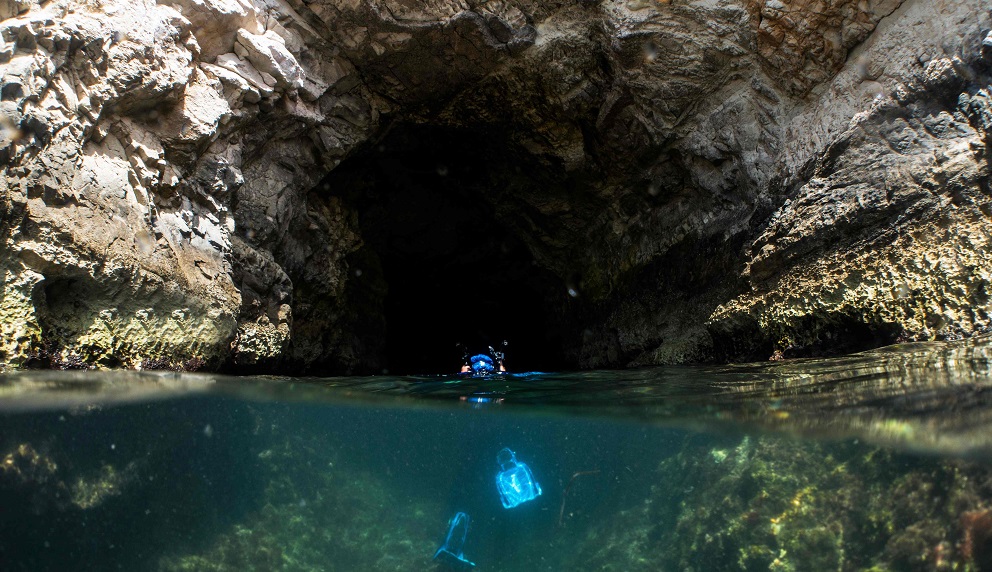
709, 180
773, 503
35, 476
321, 514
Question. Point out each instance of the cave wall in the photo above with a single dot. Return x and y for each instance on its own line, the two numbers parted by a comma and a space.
718, 179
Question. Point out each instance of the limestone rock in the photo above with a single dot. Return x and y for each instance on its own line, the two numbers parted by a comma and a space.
217, 22
710, 180
268, 53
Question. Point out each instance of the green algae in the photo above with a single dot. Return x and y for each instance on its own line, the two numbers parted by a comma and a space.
51, 484
20, 333
773, 503
93, 490
85, 322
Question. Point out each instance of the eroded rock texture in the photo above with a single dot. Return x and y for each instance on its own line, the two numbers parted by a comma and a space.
691, 180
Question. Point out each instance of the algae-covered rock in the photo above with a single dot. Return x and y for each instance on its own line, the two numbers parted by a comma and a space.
889, 236
35, 475
772, 503
91, 491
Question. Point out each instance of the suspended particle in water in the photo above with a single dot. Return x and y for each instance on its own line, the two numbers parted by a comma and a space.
358, 272
572, 292
208, 430
113, 446
654, 188
442, 170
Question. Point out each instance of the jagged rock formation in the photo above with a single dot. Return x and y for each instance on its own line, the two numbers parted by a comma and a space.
712, 179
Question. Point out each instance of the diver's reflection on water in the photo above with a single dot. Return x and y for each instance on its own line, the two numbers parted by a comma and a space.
479, 401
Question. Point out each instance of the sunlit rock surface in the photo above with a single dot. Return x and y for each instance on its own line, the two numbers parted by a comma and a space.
719, 179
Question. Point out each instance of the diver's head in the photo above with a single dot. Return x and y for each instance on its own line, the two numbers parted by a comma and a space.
481, 363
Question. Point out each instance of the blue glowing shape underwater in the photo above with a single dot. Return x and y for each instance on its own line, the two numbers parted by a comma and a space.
515, 481
481, 363
451, 551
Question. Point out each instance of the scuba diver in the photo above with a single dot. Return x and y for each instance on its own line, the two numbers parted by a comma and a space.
483, 364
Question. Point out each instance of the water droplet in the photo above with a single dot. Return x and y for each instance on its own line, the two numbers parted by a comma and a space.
8, 131
862, 68
145, 242
650, 51
901, 291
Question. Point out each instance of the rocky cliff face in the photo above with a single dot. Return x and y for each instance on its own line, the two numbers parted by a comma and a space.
201, 182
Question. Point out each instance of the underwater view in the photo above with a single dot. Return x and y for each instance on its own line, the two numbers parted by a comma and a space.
876, 461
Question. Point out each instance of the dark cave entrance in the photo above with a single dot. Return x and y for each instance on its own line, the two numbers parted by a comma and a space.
428, 201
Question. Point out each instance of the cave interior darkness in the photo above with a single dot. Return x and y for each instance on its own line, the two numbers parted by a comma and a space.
427, 200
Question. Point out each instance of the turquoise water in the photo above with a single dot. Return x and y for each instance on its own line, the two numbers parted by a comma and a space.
877, 461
